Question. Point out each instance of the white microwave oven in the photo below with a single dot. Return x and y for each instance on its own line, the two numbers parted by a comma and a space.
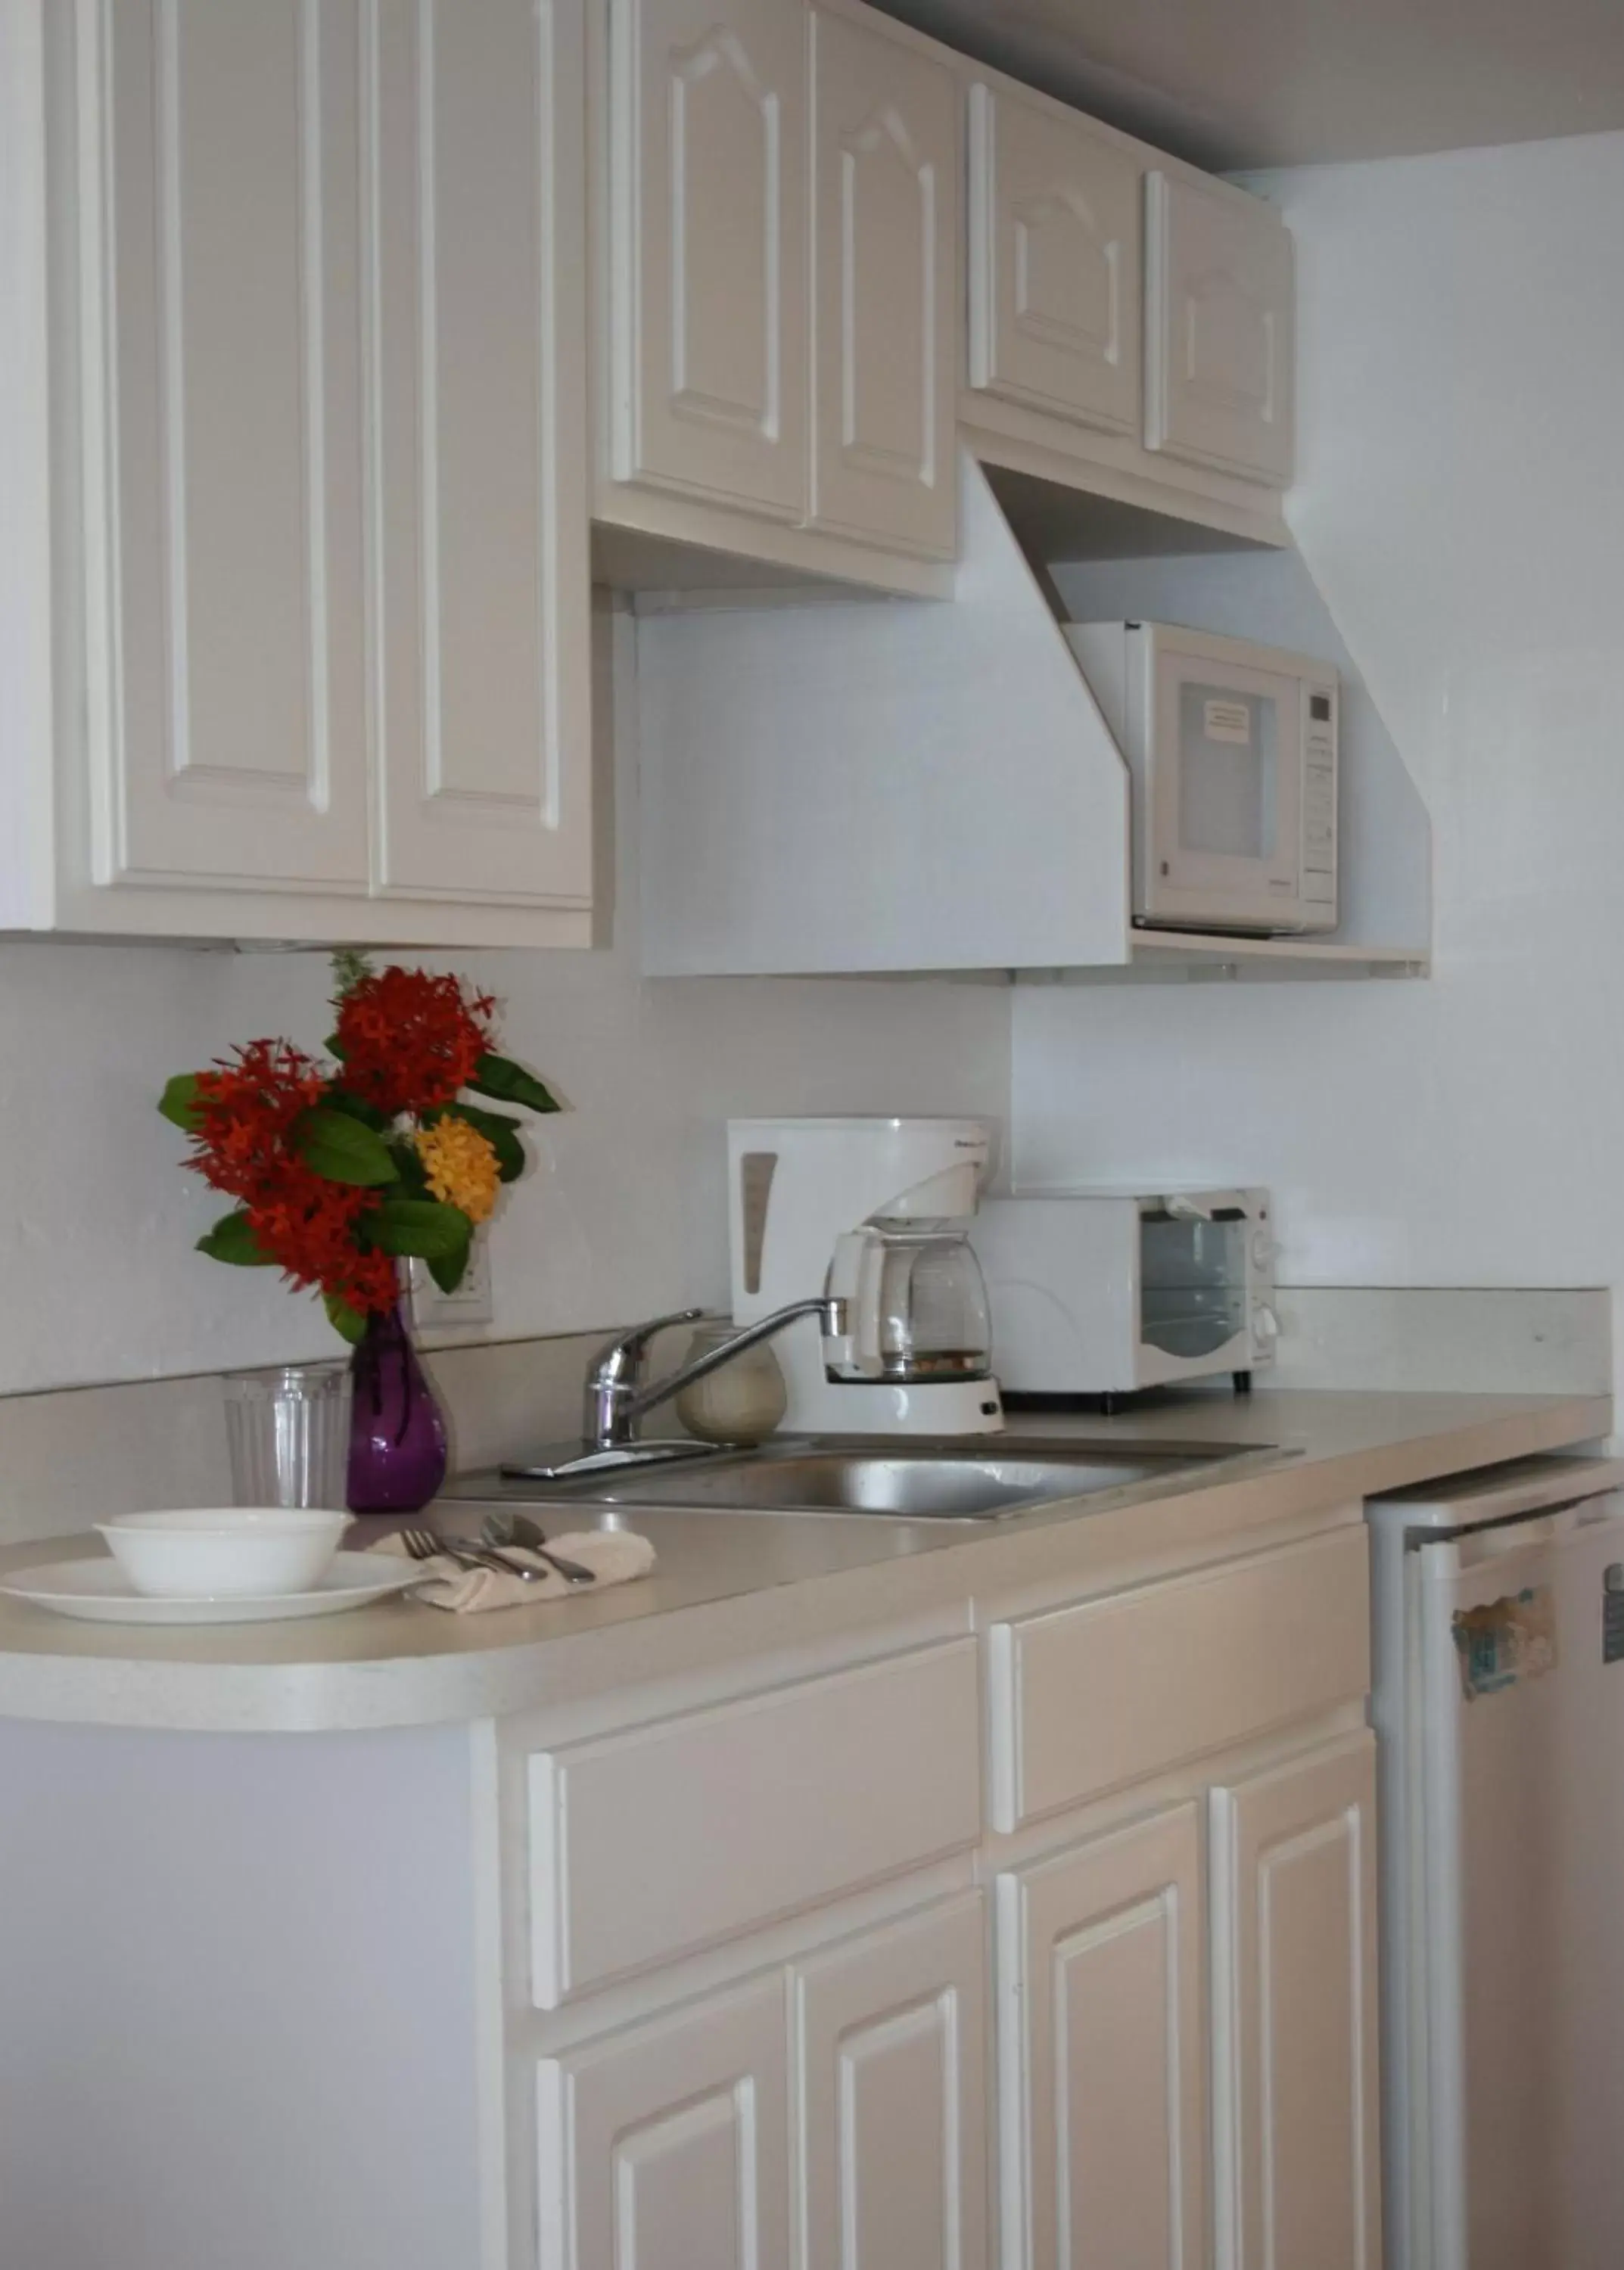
1232, 753
1105, 1292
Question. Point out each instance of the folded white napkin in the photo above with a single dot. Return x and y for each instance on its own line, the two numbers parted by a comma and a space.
613, 1556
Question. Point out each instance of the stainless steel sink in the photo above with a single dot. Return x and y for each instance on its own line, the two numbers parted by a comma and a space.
980, 1480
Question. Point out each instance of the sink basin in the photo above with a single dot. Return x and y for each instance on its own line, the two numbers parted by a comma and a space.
981, 1481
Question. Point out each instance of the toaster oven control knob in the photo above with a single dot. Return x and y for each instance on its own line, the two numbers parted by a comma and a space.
1265, 1324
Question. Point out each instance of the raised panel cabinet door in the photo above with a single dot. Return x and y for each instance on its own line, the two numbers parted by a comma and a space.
1294, 2015
707, 250
666, 2146
888, 2116
219, 222
481, 601
1220, 329
884, 143
1054, 262
1101, 2056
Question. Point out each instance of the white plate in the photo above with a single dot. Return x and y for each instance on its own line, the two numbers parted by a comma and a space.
98, 1591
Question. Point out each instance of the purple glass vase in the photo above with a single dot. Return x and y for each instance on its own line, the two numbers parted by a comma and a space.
398, 1437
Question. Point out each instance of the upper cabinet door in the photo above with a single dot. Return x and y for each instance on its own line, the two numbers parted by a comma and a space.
476, 227
707, 252
1102, 2074
224, 634
1054, 261
1294, 1904
885, 319
1220, 322
889, 2104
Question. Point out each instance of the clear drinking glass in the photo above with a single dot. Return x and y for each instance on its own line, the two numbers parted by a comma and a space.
289, 1432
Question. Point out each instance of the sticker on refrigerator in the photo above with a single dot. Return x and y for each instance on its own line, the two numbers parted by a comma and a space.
1505, 1642
1612, 1613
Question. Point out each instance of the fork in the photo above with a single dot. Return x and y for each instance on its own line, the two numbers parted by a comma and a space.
423, 1545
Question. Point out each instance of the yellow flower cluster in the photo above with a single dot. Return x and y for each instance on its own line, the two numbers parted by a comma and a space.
461, 1166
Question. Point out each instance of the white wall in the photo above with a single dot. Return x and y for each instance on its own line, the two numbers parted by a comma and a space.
623, 1215
1462, 508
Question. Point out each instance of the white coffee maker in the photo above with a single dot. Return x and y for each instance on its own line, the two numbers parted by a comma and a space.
873, 1213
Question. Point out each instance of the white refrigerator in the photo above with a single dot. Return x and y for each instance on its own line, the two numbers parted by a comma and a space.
1499, 1710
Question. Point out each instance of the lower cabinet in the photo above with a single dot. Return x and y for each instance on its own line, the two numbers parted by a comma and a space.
888, 2101
1102, 2054
1183, 2070
829, 2115
666, 2146
1295, 2013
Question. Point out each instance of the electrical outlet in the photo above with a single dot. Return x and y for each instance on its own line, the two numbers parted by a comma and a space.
470, 1305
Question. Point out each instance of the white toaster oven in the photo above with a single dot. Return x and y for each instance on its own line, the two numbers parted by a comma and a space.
1104, 1292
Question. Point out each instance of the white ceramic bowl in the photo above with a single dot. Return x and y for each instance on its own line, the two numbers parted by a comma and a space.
223, 1553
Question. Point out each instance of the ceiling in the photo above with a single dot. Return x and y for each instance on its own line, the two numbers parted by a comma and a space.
1233, 84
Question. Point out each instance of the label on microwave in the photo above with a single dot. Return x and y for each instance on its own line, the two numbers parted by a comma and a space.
1227, 721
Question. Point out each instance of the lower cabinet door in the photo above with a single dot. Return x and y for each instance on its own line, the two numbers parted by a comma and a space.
889, 2110
666, 2146
1294, 2015
1102, 2058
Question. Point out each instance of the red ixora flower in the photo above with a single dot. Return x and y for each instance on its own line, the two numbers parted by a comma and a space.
310, 1227
409, 1041
246, 1108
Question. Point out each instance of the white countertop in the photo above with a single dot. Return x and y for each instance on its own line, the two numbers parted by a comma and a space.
729, 1584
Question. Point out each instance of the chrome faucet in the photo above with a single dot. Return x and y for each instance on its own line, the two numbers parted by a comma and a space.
616, 1394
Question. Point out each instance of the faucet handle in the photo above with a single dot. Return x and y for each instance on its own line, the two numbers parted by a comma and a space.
623, 1355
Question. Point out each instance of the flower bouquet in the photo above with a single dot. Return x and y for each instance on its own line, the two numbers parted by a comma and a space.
338, 1173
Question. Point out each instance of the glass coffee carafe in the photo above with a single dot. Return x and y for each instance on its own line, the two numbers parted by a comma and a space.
923, 1306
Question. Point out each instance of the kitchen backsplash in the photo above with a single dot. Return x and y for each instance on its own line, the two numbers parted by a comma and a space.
68, 1457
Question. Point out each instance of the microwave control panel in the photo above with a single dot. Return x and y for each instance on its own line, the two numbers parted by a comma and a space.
1319, 801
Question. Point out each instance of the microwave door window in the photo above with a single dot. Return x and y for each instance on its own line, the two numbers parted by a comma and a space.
1192, 1283
1228, 771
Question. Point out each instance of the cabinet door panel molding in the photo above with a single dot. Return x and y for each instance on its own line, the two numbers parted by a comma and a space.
1100, 2015
1295, 1979
480, 592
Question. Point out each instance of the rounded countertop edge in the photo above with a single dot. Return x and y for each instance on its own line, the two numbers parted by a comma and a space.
495, 1677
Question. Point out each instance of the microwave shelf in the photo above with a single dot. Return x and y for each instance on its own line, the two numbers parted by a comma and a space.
872, 789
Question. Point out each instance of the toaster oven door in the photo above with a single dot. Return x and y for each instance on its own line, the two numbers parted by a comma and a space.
1224, 846
1193, 1294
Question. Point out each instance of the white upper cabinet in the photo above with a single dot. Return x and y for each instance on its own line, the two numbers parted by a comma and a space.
1055, 261
885, 162
708, 249
1219, 370
318, 512
481, 600
1295, 1986
221, 358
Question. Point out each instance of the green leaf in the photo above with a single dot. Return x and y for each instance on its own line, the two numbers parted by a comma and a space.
339, 1099
338, 1146
499, 1132
420, 1227
449, 1273
232, 1240
348, 1323
510, 1083
179, 1103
